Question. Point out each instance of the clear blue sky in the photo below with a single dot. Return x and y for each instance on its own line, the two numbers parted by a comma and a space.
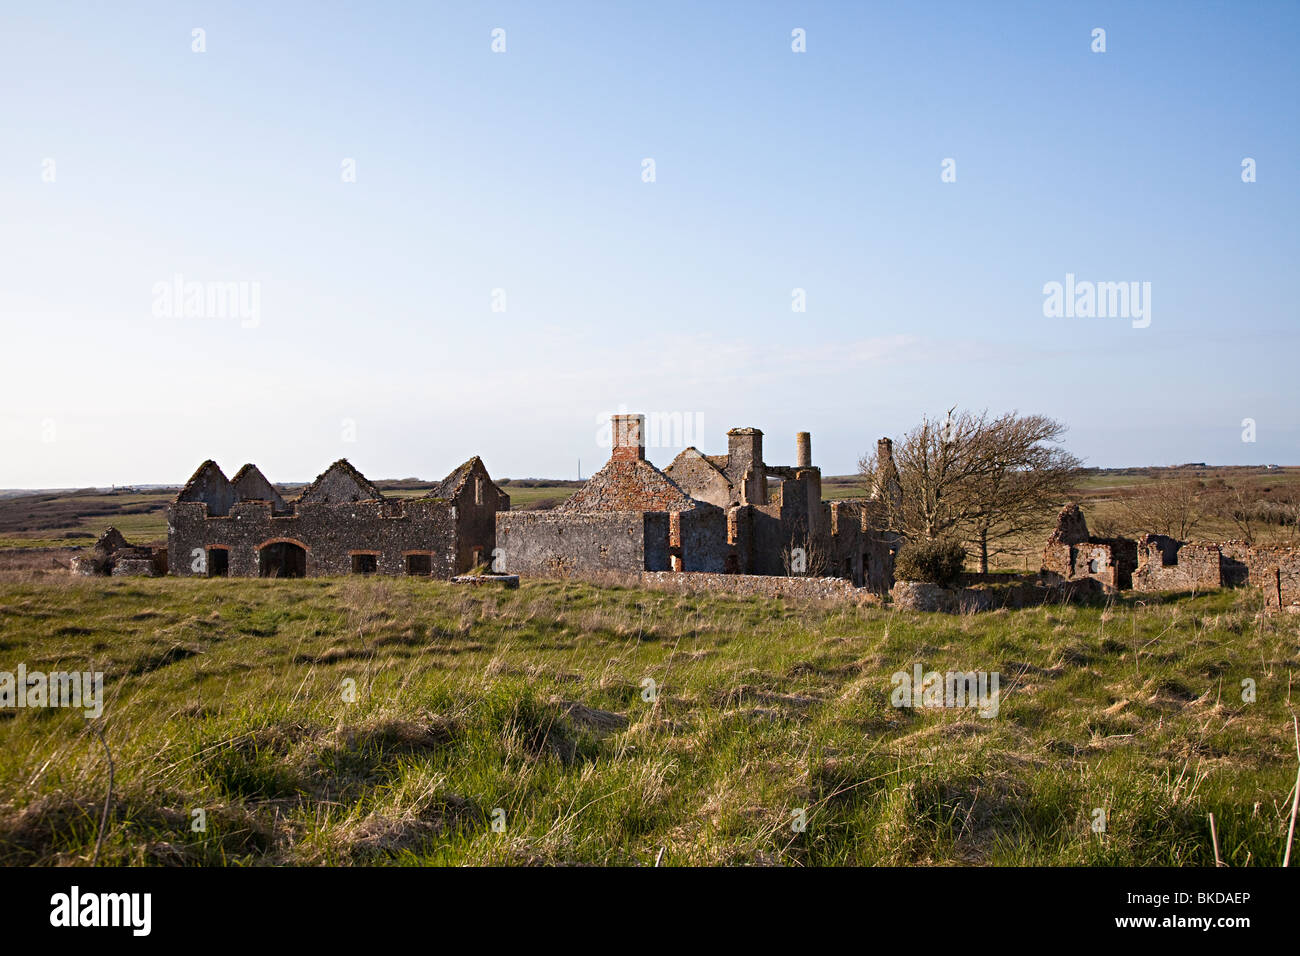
522, 171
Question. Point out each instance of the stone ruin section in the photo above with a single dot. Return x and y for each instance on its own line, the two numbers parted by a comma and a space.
1172, 565
708, 514
113, 555
1167, 564
1274, 570
340, 524
558, 545
777, 520
626, 518
1071, 554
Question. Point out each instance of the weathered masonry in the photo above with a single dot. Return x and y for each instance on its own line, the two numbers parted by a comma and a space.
1157, 562
1172, 565
340, 524
1072, 554
718, 514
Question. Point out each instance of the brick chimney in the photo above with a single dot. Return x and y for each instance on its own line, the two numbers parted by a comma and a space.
802, 450
888, 487
628, 436
744, 451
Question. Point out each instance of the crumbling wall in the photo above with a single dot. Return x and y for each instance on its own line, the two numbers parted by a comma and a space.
745, 464
1167, 564
209, 486
339, 484
1072, 554
112, 554
476, 500
1268, 568
855, 544
251, 485
923, 596
887, 486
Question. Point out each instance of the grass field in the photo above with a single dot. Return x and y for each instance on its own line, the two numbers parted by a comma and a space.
227, 696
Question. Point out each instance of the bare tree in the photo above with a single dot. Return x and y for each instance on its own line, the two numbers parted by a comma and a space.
1169, 507
1289, 506
935, 462
983, 480
1238, 506
1025, 476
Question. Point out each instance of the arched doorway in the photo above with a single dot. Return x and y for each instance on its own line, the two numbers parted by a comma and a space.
282, 559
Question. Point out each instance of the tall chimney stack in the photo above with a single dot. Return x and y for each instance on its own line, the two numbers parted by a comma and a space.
628, 436
744, 450
888, 486
803, 450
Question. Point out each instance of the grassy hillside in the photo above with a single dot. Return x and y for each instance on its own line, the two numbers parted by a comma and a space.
227, 696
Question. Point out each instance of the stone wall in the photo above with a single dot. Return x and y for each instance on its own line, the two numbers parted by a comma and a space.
550, 544
1263, 567
922, 596
340, 524
251, 485
703, 540
209, 485
701, 478
1110, 561
1071, 554
1167, 564
113, 554
1172, 565
477, 501
745, 459
329, 534
729, 514
759, 585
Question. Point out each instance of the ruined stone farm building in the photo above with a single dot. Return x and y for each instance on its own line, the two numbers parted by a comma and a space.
1167, 564
1157, 562
340, 524
1072, 554
732, 514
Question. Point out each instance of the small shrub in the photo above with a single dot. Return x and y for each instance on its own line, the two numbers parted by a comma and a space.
938, 562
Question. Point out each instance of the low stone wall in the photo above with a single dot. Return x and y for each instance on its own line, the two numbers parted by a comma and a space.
968, 578
758, 585
921, 596
508, 581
